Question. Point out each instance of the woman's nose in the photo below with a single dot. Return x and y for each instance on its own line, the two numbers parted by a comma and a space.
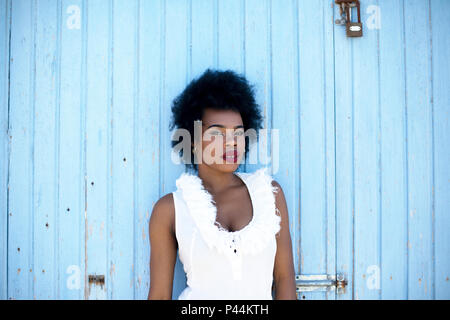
230, 139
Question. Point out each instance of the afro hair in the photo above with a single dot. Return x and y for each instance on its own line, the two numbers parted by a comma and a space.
219, 90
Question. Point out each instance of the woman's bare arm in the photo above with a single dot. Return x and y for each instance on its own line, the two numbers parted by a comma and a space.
284, 273
163, 248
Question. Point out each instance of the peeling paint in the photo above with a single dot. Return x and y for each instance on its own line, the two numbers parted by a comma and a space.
102, 226
91, 229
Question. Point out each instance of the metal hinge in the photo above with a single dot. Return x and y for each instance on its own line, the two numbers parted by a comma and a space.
320, 282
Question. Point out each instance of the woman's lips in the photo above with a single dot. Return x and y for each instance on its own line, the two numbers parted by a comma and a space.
230, 156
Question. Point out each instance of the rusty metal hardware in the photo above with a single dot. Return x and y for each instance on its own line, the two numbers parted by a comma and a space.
96, 279
354, 29
341, 283
320, 282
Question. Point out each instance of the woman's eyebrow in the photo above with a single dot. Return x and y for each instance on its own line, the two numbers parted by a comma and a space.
222, 126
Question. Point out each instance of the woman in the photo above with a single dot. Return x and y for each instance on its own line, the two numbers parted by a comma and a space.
231, 228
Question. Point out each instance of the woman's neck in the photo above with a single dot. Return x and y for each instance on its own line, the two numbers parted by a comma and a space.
216, 181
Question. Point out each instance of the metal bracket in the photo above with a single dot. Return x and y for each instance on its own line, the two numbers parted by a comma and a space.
96, 279
320, 282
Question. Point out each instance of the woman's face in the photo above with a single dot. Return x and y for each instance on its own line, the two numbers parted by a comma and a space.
223, 140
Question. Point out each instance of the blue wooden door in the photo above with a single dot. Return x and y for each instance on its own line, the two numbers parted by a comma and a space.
358, 137
392, 155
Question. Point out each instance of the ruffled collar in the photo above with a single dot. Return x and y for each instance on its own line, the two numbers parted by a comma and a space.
251, 239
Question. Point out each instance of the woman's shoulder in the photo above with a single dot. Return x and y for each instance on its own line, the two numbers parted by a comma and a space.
163, 212
276, 186
165, 202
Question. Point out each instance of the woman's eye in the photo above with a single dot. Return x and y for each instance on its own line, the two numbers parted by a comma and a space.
219, 133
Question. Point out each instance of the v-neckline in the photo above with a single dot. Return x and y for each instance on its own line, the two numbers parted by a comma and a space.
217, 224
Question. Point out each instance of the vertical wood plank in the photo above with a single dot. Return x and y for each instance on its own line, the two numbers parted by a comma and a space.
99, 110
330, 144
345, 211
21, 182
230, 35
393, 274
285, 93
419, 138
71, 204
148, 116
123, 171
258, 73
202, 36
176, 57
440, 24
5, 28
366, 162
45, 150
313, 195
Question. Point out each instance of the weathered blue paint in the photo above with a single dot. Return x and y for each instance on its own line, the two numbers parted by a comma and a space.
4, 70
392, 153
85, 90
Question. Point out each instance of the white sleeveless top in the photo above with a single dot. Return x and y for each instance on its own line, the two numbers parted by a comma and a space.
220, 264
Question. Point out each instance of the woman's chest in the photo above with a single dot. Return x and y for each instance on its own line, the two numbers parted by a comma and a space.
234, 209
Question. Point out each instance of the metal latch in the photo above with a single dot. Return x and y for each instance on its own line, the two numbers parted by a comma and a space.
320, 282
354, 29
